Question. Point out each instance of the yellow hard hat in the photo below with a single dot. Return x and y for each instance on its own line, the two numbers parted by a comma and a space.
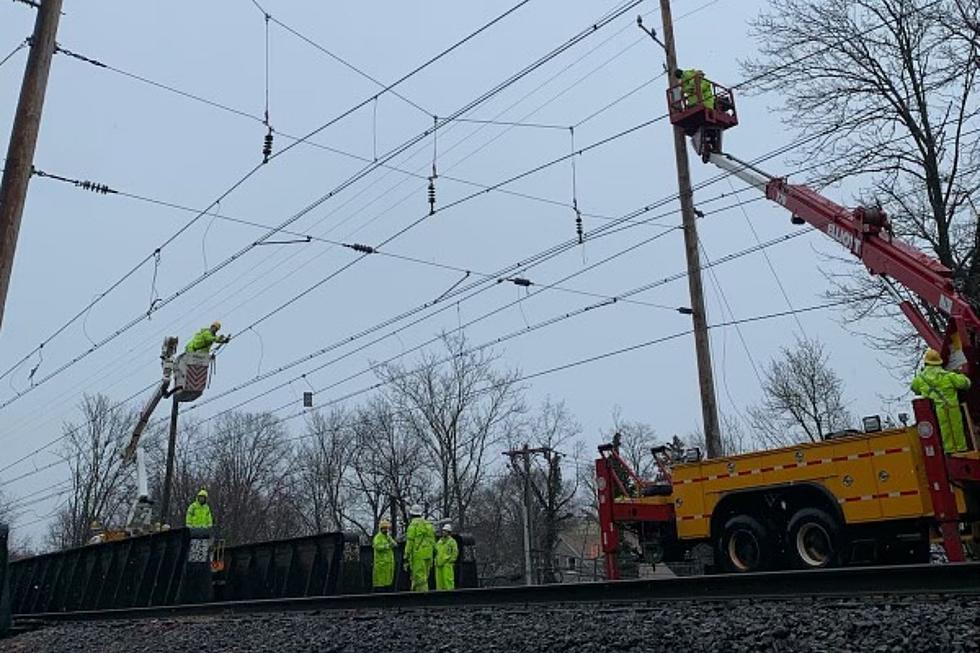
216, 325
95, 525
932, 357
202, 493
384, 524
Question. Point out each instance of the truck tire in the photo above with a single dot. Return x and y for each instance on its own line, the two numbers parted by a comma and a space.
744, 545
813, 540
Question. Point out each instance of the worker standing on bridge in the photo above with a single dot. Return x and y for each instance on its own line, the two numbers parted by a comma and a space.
942, 387
384, 557
420, 542
447, 551
199, 512
206, 337
690, 80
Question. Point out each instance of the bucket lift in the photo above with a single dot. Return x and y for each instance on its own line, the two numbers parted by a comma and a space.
189, 373
702, 123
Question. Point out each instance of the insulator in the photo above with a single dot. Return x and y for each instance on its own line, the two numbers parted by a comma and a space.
267, 147
578, 228
432, 195
521, 281
366, 249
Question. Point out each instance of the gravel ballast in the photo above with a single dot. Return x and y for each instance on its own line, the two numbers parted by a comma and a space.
923, 625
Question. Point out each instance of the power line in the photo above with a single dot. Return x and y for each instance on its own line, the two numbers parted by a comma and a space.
350, 181
541, 106
611, 300
338, 58
23, 44
578, 362
255, 169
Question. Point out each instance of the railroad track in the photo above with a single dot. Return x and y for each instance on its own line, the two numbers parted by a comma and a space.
895, 581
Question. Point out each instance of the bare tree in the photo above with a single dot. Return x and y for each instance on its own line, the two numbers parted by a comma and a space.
636, 439
886, 89
391, 465
557, 494
734, 439
245, 466
802, 398
323, 464
497, 526
460, 407
102, 487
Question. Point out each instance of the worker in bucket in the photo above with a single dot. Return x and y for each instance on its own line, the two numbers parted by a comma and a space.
420, 542
199, 512
942, 387
206, 337
690, 80
447, 551
383, 576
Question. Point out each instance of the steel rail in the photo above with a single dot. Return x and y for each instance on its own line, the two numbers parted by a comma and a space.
907, 580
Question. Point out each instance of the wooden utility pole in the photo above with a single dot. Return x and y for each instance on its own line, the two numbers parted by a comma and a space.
525, 452
23, 138
709, 405
168, 478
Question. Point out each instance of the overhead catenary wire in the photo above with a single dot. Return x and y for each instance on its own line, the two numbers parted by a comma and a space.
433, 59
577, 81
21, 46
342, 61
350, 181
795, 313
769, 155
735, 86
622, 297
707, 182
581, 361
304, 376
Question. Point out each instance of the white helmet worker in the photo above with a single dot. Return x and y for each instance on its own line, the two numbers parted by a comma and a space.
447, 528
415, 510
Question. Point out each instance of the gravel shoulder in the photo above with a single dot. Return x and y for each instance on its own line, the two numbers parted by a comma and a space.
923, 625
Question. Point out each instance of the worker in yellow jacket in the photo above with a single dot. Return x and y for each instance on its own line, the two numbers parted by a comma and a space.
691, 79
420, 542
447, 552
199, 512
942, 387
206, 337
384, 544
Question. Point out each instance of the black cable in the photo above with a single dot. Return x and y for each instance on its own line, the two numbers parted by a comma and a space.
344, 185
570, 365
23, 44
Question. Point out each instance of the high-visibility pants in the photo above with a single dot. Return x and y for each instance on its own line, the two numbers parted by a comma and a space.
951, 427
445, 577
420, 569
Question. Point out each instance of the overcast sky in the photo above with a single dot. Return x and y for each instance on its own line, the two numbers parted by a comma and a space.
103, 126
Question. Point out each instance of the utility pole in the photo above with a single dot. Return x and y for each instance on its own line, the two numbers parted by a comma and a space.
23, 138
526, 452
168, 479
709, 405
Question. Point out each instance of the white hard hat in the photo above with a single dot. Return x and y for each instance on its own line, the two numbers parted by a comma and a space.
416, 509
448, 528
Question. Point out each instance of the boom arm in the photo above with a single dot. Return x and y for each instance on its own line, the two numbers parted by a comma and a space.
867, 234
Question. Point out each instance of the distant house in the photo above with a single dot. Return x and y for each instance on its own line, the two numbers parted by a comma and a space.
578, 553
579, 557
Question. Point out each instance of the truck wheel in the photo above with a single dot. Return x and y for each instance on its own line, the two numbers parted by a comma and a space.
813, 540
744, 545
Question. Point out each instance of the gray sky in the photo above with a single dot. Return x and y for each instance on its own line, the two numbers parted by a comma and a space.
105, 127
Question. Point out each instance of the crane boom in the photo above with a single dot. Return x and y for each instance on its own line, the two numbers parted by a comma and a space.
866, 232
